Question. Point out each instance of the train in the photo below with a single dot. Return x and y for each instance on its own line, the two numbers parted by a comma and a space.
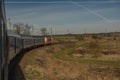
18, 43
11, 44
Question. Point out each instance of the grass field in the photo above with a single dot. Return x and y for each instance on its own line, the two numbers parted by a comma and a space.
95, 50
87, 59
67, 55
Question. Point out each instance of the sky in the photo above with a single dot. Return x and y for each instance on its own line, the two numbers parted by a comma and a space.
66, 16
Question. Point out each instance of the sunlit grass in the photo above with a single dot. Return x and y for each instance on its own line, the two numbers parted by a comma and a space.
67, 55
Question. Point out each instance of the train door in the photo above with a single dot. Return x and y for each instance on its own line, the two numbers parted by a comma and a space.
18, 44
3, 44
12, 47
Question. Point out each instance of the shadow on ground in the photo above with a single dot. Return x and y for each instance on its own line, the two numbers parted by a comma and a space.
19, 75
15, 71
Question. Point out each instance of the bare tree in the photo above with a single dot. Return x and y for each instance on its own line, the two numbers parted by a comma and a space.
9, 22
44, 31
27, 28
21, 28
17, 28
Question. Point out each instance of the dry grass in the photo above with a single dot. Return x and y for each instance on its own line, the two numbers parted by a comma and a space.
44, 64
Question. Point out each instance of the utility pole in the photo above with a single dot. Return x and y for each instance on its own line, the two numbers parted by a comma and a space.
32, 30
10, 27
68, 31
105, 30
51, 34
84, 30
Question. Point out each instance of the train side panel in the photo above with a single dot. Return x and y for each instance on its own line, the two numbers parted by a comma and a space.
11, 47
14, 45
18, 45
28, 42
39, 41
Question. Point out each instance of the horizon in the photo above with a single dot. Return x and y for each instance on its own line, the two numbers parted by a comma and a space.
67, 16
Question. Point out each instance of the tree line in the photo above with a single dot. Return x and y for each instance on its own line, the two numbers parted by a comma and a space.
26, 29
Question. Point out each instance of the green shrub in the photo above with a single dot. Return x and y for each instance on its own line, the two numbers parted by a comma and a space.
96, 55
92, 45
80, 37
94, 36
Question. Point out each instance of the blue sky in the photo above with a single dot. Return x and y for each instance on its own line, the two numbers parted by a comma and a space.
63, 15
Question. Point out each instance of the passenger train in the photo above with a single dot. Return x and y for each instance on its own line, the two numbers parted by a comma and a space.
12, 44
18, 43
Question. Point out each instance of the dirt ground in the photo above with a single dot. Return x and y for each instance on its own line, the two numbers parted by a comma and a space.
39, 64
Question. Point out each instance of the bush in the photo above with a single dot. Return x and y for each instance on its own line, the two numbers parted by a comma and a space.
80, 37
92, 45
94, 36
96, 55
